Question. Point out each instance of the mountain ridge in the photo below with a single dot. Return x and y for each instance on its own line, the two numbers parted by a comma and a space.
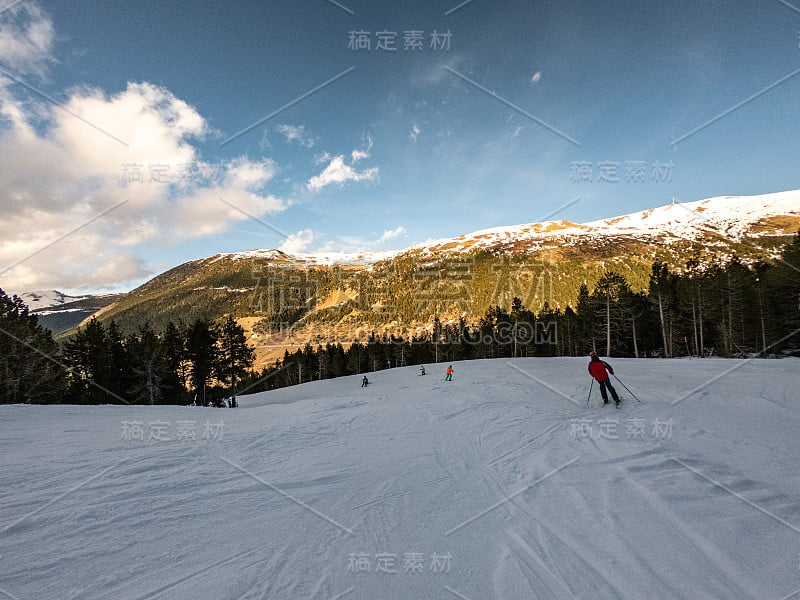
694, 217
285, 300
60, 312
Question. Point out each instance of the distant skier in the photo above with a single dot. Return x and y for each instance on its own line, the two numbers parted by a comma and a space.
449, 376
364, 382
599, 369
422, 369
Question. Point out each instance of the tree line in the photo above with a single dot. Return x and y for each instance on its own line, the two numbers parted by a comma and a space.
728, 309
200, 363
705, 309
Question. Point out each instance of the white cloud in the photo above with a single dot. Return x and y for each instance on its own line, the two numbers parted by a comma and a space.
214, 210
26, 38
297, 243
249, 175
56, 178
390, 234
339, 172
263, 143
415, 131
357, 155
300, 242
321, 159
360, 244
297, 134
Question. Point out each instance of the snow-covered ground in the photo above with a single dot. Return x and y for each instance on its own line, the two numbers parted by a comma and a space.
499, 484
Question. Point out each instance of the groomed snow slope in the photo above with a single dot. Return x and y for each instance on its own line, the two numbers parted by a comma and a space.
305, 486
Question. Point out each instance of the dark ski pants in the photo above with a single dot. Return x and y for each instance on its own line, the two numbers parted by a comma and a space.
607, 384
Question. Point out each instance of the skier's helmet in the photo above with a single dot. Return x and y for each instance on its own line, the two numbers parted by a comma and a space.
592, 353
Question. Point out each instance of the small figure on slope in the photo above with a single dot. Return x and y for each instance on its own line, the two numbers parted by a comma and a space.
422, 369
364, 382
449, 376
599, 369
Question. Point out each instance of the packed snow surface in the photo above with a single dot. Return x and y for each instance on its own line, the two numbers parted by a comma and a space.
500, 484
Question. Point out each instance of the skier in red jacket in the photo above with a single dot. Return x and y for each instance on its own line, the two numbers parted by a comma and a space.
599, 369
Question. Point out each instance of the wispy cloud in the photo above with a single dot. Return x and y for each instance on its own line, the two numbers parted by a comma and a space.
303, 240
390, 234
362, 244
297, 133
415, 131
26, 38
338, 172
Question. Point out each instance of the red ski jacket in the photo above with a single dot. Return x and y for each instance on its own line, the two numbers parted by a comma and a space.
597, 369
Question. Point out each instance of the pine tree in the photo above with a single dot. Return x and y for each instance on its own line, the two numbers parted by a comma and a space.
587, 321
609, 296
122, 377
30, 369
663, 294
175, 378
149, 365
235, 356
202, 355
93, 371
782, 289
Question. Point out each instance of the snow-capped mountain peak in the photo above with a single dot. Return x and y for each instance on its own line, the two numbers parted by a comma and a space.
40, 299
730, 216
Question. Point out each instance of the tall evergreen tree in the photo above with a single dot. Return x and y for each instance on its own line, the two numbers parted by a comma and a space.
149, 366
662, 294
122, 376
93, 372
782, 288
587, 321
202, 356
175, 378
235, 356
30, 370
609, 297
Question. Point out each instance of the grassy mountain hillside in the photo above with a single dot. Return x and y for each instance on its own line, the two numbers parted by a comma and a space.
284, 301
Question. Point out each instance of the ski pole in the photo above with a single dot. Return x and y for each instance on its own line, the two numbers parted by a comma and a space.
626, 387
590, 392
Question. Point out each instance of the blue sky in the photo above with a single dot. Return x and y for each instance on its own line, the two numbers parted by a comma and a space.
527, 109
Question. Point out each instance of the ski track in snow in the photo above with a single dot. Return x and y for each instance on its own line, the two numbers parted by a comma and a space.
488, 469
